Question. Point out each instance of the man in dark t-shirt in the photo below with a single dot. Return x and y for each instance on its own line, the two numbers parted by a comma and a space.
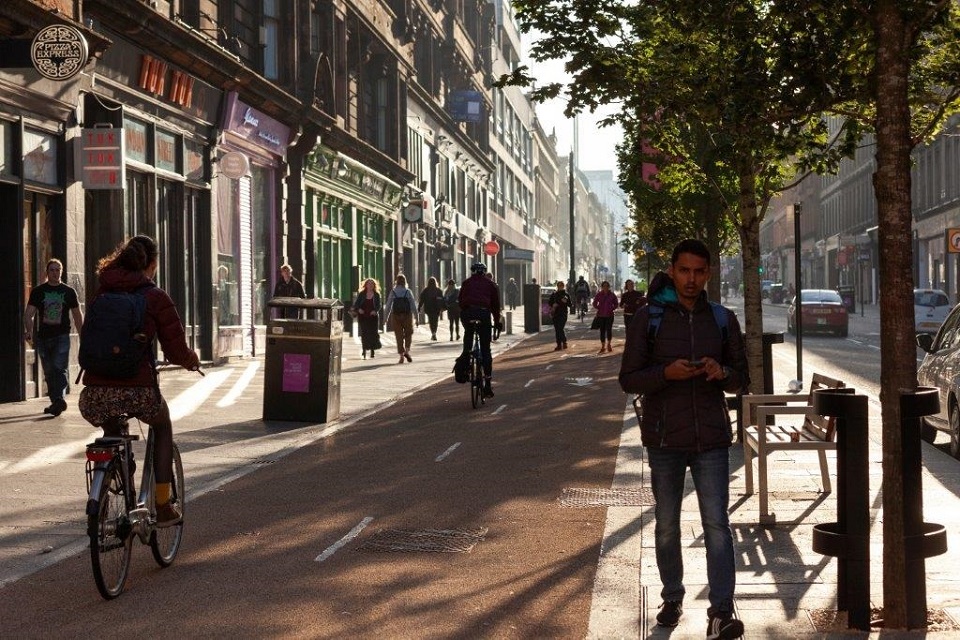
49, 331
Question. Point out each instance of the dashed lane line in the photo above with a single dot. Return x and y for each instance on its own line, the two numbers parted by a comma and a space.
336, 546
499, 409
449, 450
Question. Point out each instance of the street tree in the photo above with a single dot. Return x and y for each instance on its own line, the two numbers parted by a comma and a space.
676, 64
904, 60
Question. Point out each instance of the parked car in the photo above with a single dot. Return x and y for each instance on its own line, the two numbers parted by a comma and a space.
821, 310
939, 369
765, 289
930, 309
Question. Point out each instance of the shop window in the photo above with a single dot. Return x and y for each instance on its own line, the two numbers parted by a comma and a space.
40, 154
7, 165
228, 267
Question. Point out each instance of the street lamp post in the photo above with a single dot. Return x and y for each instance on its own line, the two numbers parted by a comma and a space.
798, 286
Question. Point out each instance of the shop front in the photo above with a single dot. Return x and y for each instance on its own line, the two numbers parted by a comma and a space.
351, 217
248, 197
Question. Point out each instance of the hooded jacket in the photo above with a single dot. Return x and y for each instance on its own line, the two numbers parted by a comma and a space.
686, 415
162, 321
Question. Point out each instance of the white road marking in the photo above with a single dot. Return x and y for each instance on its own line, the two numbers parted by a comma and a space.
240, 385
447, 452
548, 367
529, 382
499, 409
336, 546
193, 398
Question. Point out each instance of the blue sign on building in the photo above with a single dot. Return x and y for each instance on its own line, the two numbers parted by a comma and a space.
466, 106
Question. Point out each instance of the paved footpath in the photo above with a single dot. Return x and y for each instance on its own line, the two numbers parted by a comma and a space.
781, 581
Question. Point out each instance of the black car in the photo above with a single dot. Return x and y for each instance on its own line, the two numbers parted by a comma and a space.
941, 369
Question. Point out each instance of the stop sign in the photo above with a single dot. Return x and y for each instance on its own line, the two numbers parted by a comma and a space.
491, 248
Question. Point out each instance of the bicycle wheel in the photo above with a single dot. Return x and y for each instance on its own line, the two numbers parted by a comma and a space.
110, 536
165, 542
476, 382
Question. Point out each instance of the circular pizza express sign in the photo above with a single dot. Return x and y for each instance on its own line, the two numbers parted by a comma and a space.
59, 52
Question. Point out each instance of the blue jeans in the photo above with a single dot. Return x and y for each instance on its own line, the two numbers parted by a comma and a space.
54, 354
711, 479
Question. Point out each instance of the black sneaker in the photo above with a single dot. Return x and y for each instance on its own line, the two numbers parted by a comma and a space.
55, 409
487, 391
670, 612
724, 628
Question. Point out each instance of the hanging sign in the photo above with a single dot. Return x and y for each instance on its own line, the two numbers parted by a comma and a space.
234, 165
491, 248
100, 157
59, 52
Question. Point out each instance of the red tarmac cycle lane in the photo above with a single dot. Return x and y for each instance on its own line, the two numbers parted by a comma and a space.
248, 566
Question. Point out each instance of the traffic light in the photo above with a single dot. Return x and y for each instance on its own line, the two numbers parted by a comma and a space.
760, 269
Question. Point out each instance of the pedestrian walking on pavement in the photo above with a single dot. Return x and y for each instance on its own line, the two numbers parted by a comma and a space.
366, 309
132, 268
605, 302
630, 301
53, 303
431, 303
513, 294
288, 287
400, 316
451, 295
560, 307
682, 372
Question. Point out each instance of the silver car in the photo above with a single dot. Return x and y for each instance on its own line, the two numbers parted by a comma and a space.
941, 369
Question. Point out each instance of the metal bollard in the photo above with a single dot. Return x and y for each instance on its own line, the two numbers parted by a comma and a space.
848, 539
922, 540
769, 339
509, 323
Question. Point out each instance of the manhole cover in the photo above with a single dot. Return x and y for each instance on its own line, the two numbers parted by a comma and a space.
425, 540
632, 497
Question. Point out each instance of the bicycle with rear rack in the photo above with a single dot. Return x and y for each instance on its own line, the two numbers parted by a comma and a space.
117, 513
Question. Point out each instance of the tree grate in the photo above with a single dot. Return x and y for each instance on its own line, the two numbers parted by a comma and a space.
424, 540
585, 498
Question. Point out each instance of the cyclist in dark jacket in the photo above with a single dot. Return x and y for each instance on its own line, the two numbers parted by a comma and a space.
104, 399
480, 300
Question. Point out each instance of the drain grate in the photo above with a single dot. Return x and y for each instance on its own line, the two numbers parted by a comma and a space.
265, 461
582, 498
425, 540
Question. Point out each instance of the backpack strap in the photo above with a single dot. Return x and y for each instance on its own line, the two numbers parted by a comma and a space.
656, 310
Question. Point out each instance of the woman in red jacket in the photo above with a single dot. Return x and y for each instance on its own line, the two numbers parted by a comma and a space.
129, 268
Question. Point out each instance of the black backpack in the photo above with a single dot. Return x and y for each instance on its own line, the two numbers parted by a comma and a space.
401, 304
461, 368
112, 341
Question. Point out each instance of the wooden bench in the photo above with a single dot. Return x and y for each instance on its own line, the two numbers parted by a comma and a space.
816, 433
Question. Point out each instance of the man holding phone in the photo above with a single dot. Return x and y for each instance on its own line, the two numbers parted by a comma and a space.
682, 373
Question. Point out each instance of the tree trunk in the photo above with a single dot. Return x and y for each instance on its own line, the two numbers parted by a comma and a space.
897, 341
749, 227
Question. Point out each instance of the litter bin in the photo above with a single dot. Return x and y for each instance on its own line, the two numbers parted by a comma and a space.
848, 295
545, 316
301, 378
531, 308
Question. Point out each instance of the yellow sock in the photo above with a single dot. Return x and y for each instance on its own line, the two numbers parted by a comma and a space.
163, 492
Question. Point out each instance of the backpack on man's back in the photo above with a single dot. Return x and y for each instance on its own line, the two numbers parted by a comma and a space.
401, 304
112, 340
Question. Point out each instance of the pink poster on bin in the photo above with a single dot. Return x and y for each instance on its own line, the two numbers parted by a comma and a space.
296, 373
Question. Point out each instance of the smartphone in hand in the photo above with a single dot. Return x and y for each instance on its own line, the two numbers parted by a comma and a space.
696, 364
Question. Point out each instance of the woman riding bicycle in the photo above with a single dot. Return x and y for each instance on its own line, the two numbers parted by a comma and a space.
131, 268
